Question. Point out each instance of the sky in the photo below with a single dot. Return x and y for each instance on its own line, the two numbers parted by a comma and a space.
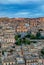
22, 8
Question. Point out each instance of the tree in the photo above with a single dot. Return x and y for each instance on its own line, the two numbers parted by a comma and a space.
40, 29
18, 42
2, 52
42, 51
38, 35
32, 36
17, 36
28, 34
27, 41
23, 40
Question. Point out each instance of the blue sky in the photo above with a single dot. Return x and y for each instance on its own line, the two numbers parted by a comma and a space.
22, 8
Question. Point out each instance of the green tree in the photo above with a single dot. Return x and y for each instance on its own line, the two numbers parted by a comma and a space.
32, 36
18, 42
42, 51
38, 35
2, 52
28, 35
23, 40
17, 36
27, 41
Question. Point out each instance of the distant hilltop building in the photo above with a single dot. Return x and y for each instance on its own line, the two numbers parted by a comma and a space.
22, 24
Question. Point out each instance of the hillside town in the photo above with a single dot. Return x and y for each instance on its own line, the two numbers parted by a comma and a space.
21, 41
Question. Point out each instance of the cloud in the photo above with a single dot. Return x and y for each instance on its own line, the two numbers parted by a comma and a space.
21, 8
42, 8
18, 1
21, 14
28, 14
